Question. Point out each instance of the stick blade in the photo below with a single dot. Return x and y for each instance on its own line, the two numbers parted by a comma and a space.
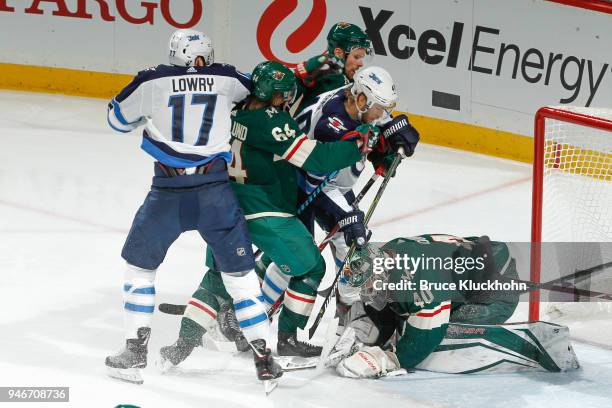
269, 386
170, 308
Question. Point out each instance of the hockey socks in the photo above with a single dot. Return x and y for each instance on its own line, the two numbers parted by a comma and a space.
138, 299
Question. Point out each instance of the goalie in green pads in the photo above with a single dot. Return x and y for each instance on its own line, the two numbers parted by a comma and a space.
422, 298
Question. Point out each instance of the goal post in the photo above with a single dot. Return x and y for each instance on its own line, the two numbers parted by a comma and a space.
572, 182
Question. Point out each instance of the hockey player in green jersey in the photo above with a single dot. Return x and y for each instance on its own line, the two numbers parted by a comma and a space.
441, 296
267, 146
348, 49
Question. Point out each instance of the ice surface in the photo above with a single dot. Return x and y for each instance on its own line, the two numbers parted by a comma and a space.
69, 187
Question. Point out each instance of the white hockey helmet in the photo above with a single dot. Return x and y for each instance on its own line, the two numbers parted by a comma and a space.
377, 86
186, 45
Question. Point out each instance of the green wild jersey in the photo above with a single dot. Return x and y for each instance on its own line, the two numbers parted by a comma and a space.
267, 145
442, 260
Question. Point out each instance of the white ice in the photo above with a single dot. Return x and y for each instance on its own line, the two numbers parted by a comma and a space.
69, 187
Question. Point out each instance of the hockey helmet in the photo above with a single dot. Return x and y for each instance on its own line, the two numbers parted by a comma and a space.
270, 77
186, 45
361, 272
377, 86
347, 37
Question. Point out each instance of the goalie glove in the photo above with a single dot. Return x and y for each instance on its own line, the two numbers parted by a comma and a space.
366, 136
313, 68
368, 362
354, 230
401, 135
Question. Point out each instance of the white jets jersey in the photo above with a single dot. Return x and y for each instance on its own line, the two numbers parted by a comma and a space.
185, 110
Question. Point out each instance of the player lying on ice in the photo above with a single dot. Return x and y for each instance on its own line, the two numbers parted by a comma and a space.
268, 146
446, 329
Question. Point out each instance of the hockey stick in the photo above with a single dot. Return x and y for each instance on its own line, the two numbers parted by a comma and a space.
331, 291
554, 286
176, 309
314, 193
334, 230
356, 202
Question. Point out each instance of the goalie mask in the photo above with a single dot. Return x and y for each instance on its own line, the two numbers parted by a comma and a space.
362, 272
377, 86
186, 45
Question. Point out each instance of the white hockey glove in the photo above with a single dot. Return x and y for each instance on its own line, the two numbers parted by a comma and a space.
369, 362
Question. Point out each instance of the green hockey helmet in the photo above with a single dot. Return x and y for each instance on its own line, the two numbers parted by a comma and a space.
270, 77
347, 37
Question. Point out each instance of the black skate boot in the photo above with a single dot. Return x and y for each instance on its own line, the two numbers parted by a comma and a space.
176, 353
126, 364
228, 324
288, 345
267, 369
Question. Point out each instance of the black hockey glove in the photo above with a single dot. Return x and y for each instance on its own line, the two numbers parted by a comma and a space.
354, 230
400, 134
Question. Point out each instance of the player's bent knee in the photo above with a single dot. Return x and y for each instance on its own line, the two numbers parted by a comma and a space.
139, 288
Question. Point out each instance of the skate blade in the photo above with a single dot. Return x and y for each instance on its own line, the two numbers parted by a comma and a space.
163, 365
131, 375
294, 363
270, 385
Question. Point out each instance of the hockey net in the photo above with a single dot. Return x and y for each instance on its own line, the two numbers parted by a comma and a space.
572, 208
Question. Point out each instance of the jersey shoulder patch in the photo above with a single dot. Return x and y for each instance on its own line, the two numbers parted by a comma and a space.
336, 124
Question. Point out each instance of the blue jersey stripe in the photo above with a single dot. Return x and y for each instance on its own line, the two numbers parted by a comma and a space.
176, 159
119, 115
114, 127
139, 308
253, 321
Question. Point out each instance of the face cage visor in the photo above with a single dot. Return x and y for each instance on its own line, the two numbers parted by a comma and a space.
289, 95
374, 292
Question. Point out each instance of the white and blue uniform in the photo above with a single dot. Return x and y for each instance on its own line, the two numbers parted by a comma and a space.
327, 120
186, 113
189, 110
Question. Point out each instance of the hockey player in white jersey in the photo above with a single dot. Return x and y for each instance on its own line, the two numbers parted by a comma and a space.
185, 109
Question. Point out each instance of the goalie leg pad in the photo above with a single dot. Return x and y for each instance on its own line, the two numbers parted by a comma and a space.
514, 347
138, 299
369, 362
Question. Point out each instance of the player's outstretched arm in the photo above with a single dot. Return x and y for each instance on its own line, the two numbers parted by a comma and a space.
128, 109
285, 139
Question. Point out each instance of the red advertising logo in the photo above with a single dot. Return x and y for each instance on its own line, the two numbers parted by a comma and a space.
83, 8
298, 40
